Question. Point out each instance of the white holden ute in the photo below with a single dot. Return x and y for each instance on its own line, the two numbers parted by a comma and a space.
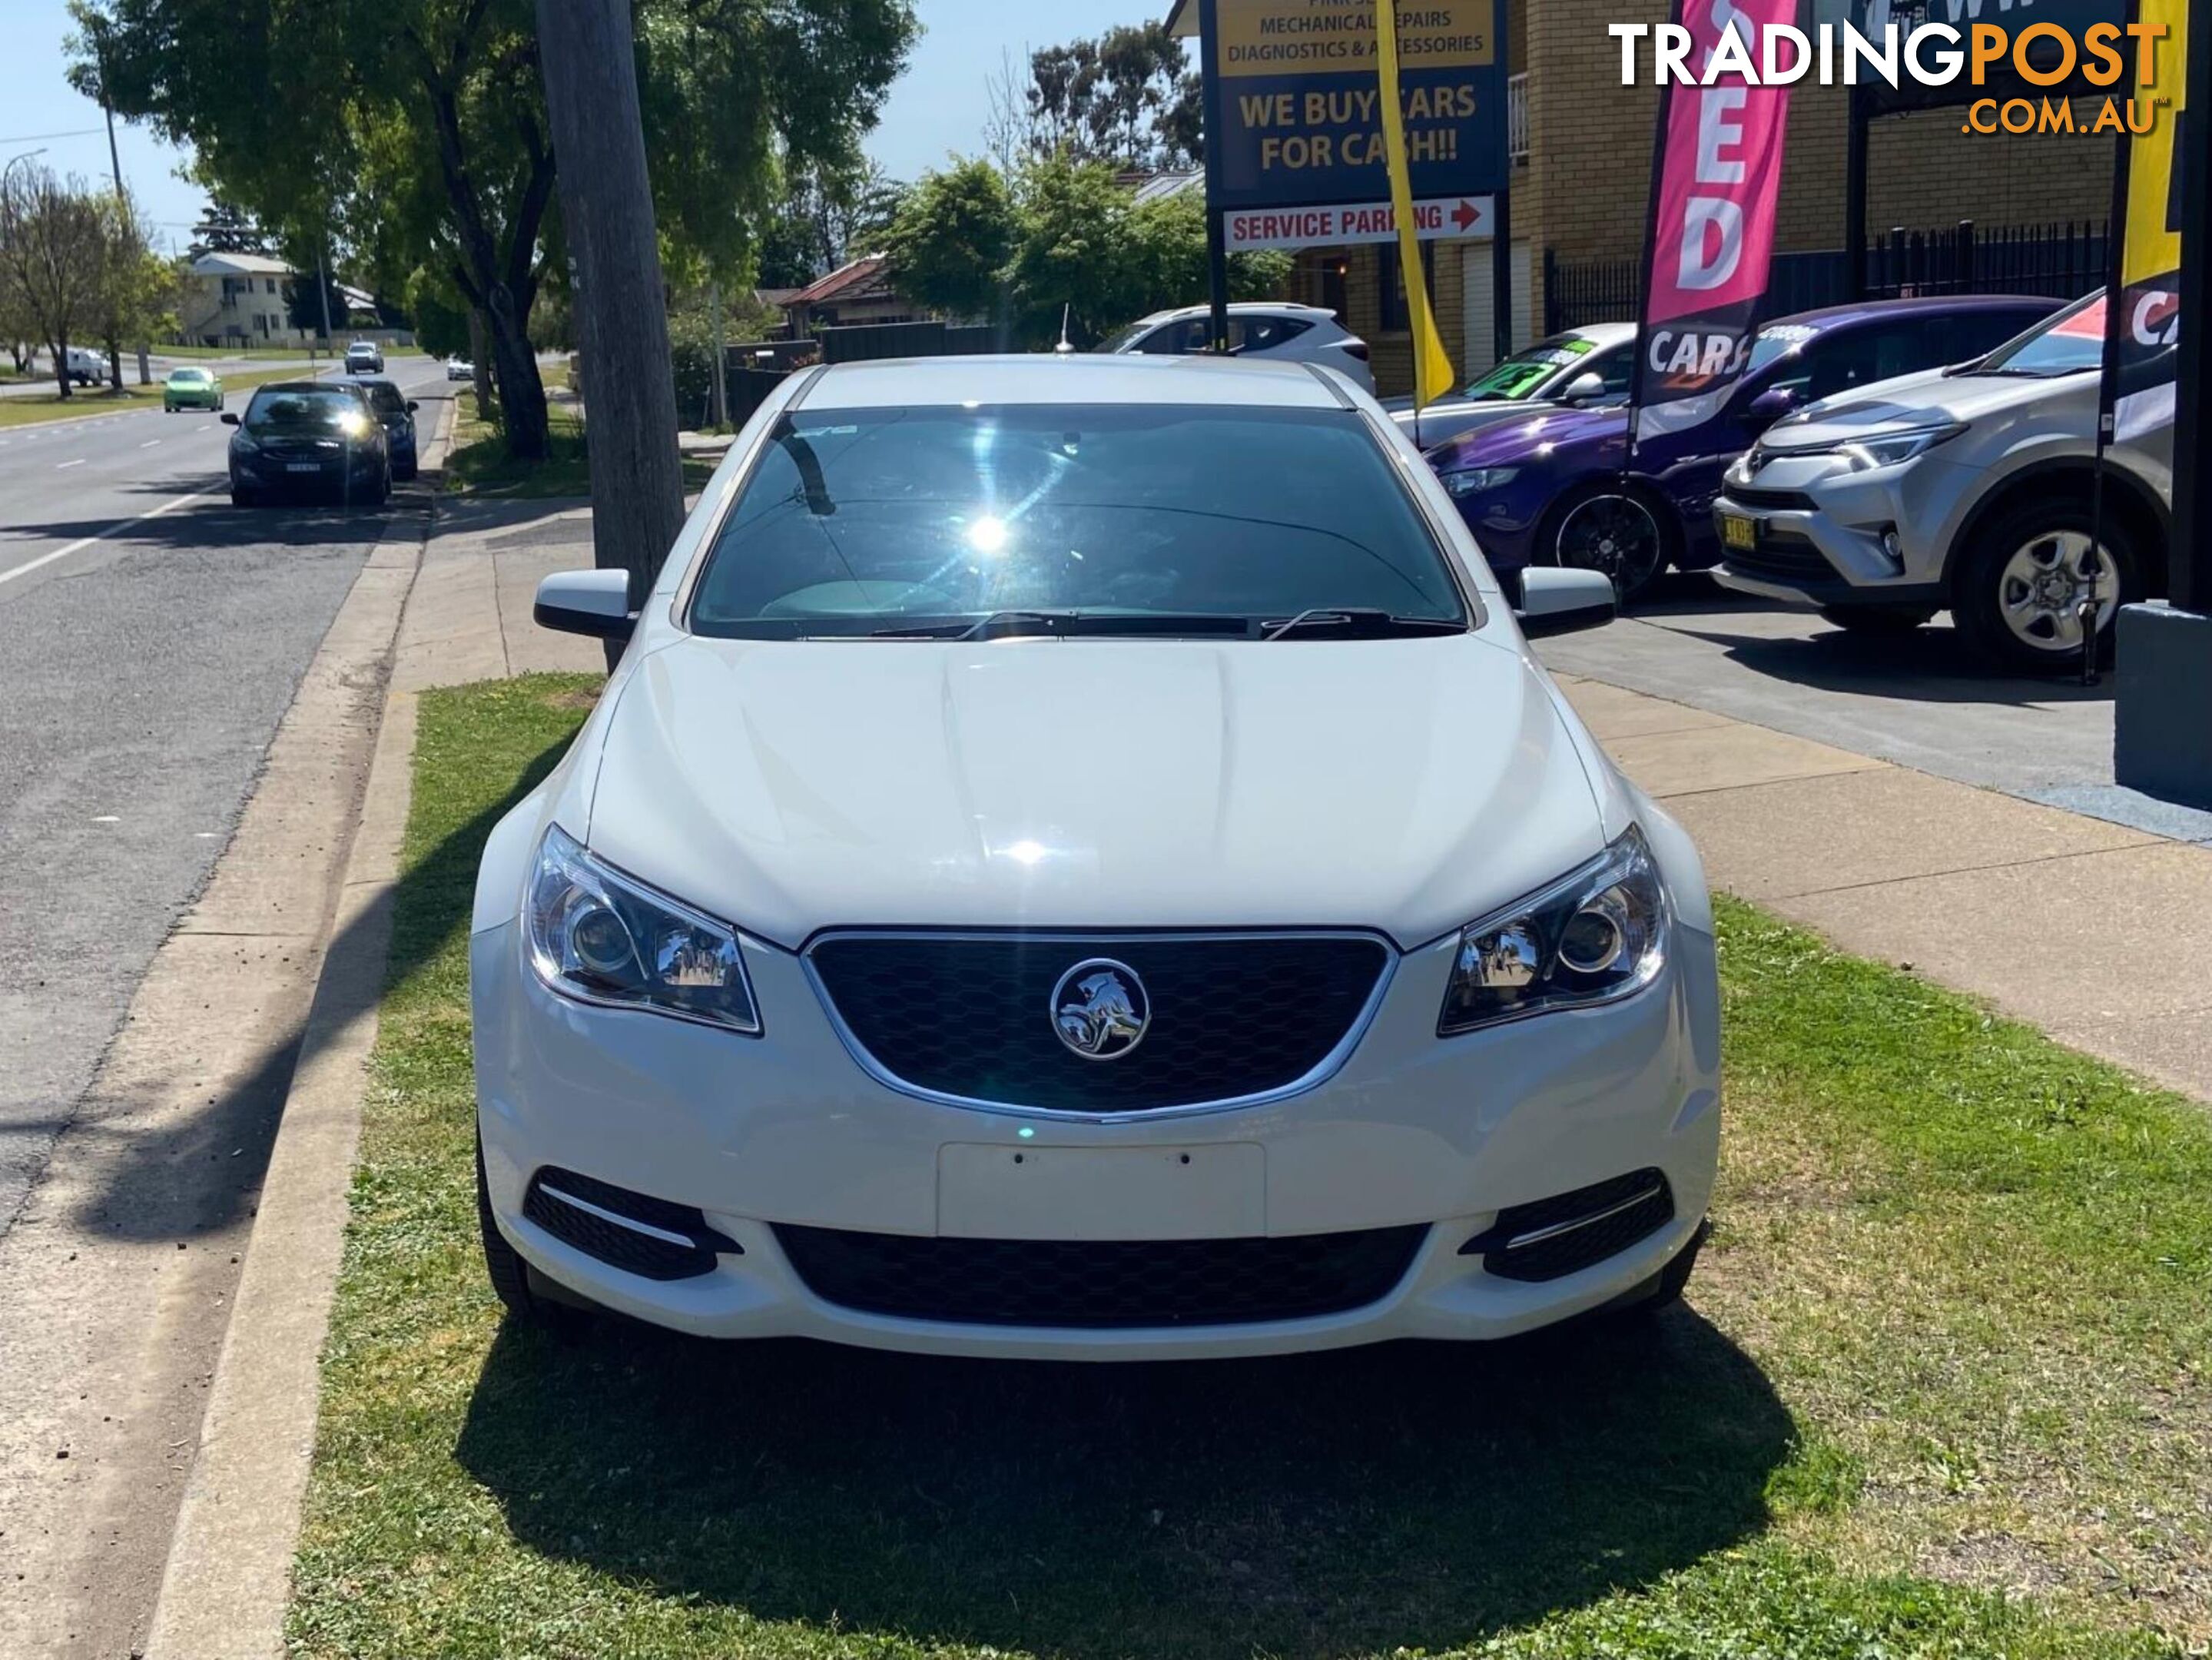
1079, 860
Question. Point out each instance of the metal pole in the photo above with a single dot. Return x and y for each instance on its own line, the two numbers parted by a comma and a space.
322, 294
1855, 197
1217, 242
2189, 566
721, 397
1501, 277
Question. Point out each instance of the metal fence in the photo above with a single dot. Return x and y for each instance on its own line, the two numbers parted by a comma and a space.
863, 342
2061, 260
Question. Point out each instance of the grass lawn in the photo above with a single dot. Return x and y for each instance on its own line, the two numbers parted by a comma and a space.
1940, 1393
480, 466
30, 411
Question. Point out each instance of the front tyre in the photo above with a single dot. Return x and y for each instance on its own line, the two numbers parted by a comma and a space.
1602, 527
2017, 594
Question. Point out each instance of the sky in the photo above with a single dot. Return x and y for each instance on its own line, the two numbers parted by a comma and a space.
934, 110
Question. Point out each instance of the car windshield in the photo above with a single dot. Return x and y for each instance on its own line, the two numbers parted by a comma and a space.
188, 377
384, 398
858, 521
1519, 375
2067, 343
304, 407
1121, 337
1777, 341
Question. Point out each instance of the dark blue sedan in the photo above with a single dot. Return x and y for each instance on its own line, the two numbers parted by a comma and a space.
1549, 489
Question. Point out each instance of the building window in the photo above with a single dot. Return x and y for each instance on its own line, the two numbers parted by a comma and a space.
269, 284
1396, 319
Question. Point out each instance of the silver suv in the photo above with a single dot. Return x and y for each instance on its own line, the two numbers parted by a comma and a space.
1966, 487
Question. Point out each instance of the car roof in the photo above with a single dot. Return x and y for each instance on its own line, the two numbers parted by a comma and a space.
1069, 378
1828, 317
1602, 334
1244, 308
309, 385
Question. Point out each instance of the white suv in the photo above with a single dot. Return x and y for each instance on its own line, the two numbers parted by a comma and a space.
1306, 334
364, 357
1077, 860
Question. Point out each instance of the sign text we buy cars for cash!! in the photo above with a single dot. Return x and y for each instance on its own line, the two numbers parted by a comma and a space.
1298, 118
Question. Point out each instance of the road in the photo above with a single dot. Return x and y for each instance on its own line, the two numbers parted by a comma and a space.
153, 637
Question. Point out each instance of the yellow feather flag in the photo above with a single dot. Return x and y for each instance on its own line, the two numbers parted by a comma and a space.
1432, 370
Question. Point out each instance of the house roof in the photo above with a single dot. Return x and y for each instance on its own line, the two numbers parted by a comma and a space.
238, 265
1158, 186
845, 280
776, 296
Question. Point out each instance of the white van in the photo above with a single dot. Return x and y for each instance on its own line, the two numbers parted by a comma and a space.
88, 368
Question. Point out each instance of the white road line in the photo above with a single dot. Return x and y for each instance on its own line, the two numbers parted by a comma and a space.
82, 542
79, 462
150, 443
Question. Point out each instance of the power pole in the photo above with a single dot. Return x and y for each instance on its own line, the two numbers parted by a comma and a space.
586, 53
115, 167
322, 294
720, 403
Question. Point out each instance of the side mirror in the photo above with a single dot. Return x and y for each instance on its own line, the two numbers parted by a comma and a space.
588, 602
1772, 405
1583, 388
412, 406
1561, 599
229, 420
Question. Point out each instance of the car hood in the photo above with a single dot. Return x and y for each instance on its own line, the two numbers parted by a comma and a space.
1408, 786
1553, 430
1932, 398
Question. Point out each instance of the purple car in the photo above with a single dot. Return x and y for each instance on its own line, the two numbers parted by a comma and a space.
1548, 490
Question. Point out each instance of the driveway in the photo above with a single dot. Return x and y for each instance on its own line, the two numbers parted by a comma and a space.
1921, 701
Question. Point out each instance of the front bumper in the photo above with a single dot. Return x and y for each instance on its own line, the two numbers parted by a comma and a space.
358, 470
787, 1129
1832, 536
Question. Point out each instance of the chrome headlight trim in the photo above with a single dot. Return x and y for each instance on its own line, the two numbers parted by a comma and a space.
596, 935
1612, 913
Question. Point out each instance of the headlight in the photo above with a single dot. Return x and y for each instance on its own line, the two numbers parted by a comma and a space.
596, 935
1595, 935
1892, 447
1476, 480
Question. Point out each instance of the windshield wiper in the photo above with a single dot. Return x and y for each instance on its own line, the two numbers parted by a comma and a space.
1067, 624
1358, 622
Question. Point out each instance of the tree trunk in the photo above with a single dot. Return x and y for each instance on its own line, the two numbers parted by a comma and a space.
521, 393
587, 53
61, 367
115, 364
480, 365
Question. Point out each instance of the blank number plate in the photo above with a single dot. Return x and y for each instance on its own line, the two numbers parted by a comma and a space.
1024, 1191
303, 466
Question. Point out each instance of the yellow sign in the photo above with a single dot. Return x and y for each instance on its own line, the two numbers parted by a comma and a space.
2152, 249
1432, 369
1306, 37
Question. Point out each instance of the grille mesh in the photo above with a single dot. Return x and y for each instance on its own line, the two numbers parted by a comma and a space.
618, 1246
1579, 1247
972, 1017
1101, 1284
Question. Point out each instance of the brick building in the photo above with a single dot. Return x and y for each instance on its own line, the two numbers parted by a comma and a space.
1581, 145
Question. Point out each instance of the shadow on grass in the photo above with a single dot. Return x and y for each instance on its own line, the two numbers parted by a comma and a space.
1413, 1495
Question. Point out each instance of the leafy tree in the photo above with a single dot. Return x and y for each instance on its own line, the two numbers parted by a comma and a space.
137, 292
951, 241
225, 228
1127, 98
416, 129
53, 258
304, 299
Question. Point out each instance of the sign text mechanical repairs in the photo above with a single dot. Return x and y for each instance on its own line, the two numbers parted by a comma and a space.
1299, 115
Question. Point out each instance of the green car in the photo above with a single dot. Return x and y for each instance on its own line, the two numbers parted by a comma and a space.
191, 389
